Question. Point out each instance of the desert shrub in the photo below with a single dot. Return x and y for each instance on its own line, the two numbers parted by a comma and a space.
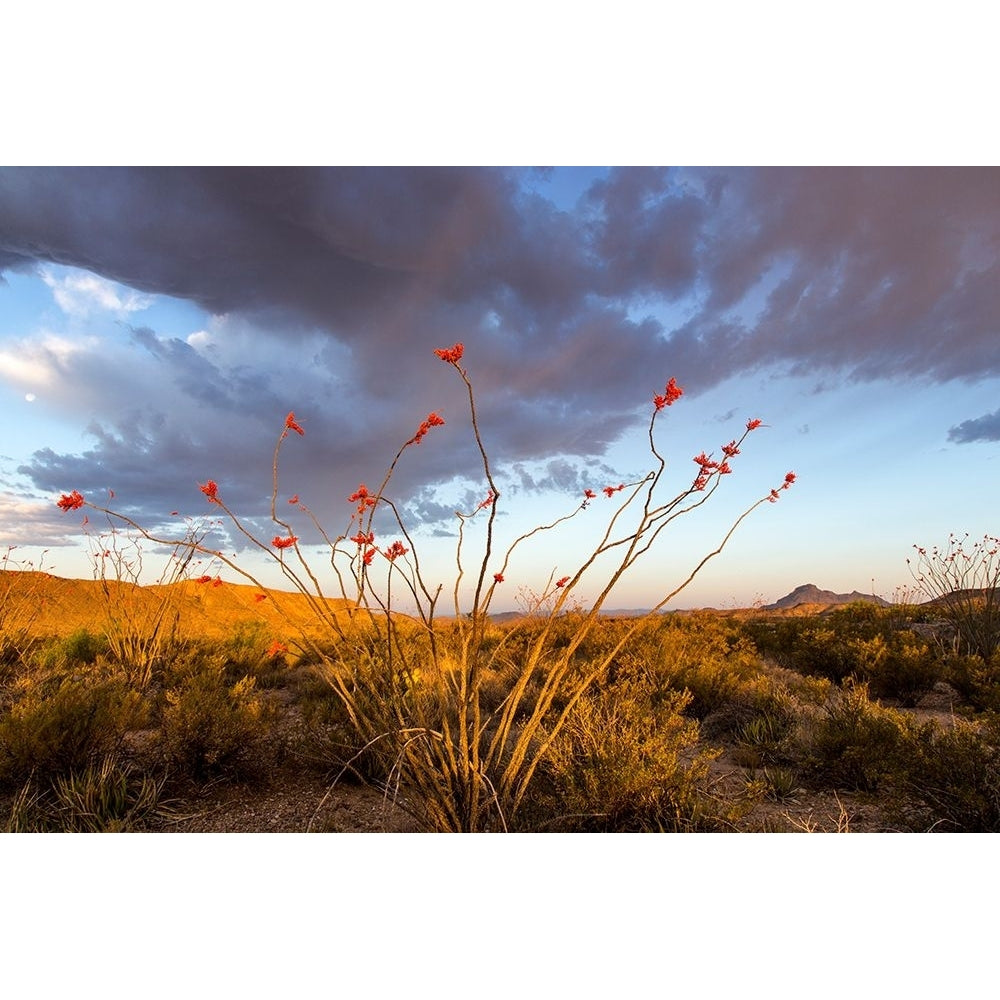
853, 743
619, 765
950, 779
861, 642
901, 667
61, 724
79, 648
211, 728
976, 680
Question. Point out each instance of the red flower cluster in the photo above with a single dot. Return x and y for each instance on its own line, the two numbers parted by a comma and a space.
488, 502
362, 498
291, 425
276, 649
562, 582
671, 393
729, 450
362, 539
752, 425
211, 490
610, 491
498, 577
217, 582
452, 355
203, 579
589, 494
259, 597
72, 501
369, 556
790, 478
294, 499
433, 420
284, 543
395, 550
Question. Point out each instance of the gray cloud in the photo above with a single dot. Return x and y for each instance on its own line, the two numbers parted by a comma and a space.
984, 428
332, 287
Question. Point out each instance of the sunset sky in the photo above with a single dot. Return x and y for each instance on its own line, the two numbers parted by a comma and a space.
157, 325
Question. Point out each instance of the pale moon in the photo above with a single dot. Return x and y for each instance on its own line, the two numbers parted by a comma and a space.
30, 397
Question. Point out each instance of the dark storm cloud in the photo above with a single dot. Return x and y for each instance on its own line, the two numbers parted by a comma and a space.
571, 319
984, 428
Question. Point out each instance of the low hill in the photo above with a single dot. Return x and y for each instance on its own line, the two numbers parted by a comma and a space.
42, 604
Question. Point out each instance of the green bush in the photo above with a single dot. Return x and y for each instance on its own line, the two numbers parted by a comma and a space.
854, 743
628, 759
212, 729
950, 779
975, 679
61, 724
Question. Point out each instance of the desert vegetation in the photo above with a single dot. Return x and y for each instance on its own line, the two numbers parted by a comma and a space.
564, 719
847, 719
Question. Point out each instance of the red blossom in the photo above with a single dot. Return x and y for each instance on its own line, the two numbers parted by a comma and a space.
773, 498
259, 597
294, 499
284, 543
211, 490
498, 577
789, 479
451, 355
362, 539
72, 501
217, 582
705, 462
291, 425
174, 513
203, 579
752, 425
369, 556
700, 483
724, 469
671, 393
589, 494
395, 550
276, 649
610, 491
362, 498
433, 420
488, 502
562, 582
729, 450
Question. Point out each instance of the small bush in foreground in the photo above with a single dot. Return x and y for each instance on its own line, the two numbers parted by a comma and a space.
854, 743
951, 778
211, 729
622, 764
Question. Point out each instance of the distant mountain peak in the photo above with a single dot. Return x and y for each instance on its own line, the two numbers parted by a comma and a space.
809, 593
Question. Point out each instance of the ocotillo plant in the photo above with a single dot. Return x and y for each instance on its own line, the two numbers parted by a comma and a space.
412, 685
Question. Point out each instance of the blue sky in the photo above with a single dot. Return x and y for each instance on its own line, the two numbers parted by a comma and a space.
157, 325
